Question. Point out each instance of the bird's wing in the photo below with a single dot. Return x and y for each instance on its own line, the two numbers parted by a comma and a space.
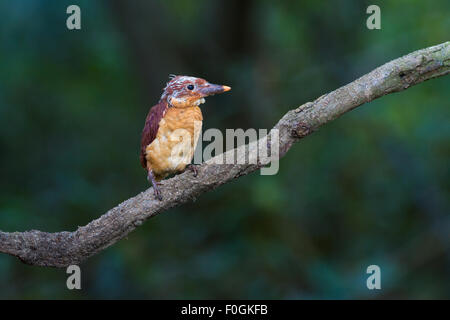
151, 128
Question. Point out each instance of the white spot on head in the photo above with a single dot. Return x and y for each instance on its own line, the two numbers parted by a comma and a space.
199, 101
176, 86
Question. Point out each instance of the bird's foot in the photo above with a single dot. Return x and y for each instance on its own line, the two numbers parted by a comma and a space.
157, 192
155, 184
193, 168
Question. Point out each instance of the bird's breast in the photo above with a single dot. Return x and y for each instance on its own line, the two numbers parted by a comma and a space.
175, 142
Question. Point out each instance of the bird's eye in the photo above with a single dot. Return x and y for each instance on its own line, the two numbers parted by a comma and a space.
190, 87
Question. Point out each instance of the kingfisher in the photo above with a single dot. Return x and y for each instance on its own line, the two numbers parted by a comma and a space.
173, 126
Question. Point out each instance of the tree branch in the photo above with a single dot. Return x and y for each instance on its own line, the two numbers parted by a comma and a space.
65, 248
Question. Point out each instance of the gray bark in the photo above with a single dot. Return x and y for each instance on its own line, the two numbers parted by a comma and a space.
65, 248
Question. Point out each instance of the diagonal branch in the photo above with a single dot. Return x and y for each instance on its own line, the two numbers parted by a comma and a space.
65, 248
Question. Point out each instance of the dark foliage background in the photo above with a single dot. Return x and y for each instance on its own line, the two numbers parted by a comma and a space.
369, 188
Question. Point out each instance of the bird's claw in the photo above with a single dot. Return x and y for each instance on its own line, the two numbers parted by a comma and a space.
155, 184
194, 169
157, 192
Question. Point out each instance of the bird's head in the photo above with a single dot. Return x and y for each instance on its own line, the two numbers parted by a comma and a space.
185, 91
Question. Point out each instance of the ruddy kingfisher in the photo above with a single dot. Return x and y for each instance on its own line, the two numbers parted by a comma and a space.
173, 126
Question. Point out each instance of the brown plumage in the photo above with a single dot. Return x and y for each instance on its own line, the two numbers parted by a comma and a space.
172, 127
151, 128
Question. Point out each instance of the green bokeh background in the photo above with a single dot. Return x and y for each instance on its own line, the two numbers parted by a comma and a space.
369, 188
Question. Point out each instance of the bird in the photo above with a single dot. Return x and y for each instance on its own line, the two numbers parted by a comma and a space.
172, 128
